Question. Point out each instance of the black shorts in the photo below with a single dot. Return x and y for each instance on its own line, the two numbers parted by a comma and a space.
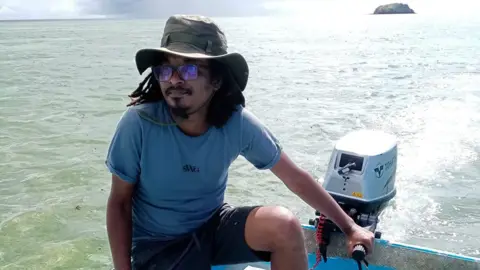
220, 241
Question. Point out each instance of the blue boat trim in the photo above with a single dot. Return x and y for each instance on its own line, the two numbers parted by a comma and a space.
331, 264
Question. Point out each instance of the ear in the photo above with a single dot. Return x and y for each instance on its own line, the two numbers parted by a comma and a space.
216, 84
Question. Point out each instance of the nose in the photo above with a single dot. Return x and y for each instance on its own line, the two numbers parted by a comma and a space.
175, 79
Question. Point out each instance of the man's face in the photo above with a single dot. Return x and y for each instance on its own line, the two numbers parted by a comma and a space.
189, 86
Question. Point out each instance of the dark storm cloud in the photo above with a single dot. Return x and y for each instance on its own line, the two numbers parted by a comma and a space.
163, 8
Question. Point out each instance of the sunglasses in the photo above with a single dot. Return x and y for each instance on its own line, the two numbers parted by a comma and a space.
187, 72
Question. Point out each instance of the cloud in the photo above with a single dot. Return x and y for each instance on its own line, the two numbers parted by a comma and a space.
162, 8
34, 9
44, 9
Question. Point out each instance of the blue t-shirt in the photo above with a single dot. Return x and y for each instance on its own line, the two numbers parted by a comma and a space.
181, 180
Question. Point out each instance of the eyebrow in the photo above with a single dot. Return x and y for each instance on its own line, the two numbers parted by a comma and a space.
189, 61
196, 62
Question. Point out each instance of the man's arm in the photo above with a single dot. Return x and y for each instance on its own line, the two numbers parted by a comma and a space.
302, 183
119, 222
123, 162
262, 149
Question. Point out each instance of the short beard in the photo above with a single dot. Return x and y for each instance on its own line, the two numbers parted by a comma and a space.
183, 112
179, 110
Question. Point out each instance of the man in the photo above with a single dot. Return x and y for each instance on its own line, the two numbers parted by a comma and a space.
170, 155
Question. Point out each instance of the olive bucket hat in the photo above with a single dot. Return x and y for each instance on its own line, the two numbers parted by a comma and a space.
194, 36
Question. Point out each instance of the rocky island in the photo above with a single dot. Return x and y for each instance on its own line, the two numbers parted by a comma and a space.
395, 8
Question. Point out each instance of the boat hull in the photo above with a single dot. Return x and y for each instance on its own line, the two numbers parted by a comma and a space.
386, 256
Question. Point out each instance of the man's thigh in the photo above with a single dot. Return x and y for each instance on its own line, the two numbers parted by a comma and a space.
229, 244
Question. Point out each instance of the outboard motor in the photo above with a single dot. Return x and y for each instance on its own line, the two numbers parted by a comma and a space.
361, 178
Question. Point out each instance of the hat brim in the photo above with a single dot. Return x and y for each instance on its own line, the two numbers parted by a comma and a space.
235, 62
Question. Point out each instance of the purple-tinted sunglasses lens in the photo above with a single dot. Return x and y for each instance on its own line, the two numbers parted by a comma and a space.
163, 73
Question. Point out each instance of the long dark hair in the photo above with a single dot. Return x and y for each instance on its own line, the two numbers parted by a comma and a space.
222, 105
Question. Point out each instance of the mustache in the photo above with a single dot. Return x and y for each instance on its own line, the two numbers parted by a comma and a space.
173, 89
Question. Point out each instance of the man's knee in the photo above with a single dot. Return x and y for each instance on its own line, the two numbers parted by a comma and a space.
273, 227
287, 229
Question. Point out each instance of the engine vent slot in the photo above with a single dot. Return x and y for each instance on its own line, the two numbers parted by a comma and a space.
346, 158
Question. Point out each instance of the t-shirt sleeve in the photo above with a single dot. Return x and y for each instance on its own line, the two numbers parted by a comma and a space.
123, 156
259, 146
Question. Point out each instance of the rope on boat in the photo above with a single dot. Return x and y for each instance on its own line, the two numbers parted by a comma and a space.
321, 241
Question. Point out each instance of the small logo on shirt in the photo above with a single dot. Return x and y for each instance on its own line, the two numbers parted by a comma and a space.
190, 168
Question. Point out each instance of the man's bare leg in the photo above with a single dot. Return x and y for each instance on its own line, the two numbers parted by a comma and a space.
276, 229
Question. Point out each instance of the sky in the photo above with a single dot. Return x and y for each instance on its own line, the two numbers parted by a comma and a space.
53, 9
39, 9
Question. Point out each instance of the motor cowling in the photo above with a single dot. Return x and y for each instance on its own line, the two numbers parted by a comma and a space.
362, 170
361, 178
361, 175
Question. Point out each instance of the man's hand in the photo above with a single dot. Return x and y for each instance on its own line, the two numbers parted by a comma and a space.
358, 235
